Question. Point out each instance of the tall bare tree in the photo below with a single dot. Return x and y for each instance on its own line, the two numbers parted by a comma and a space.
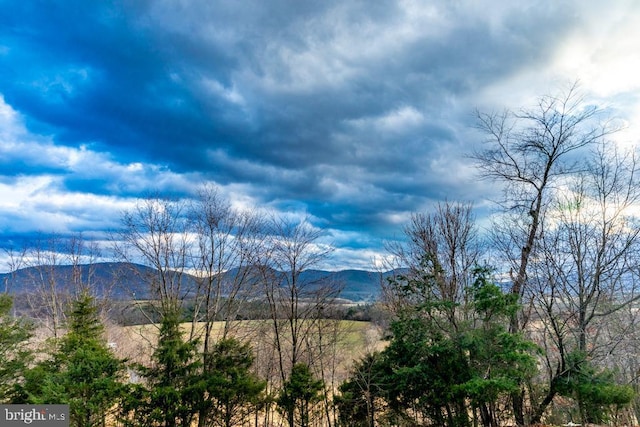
228, 243
155, 233
530, 153
58, 270
445, 245
226, 246
586, 272
296, 304
15, 259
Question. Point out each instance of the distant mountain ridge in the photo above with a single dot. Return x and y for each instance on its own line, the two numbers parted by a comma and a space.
125, 280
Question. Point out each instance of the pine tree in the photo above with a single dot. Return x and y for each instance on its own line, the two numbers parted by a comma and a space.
174, 390
232, 388
14, 355
299, 395
359, 396
453, 375
82, 371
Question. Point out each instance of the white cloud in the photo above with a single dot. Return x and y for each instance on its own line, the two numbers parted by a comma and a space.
404, 119
604, 52
14, 194
601, 50
360, 106
34, 203
231, 94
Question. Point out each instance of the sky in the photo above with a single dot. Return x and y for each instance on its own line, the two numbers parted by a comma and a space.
355, 114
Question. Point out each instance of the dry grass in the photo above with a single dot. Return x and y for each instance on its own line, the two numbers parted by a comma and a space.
354, 339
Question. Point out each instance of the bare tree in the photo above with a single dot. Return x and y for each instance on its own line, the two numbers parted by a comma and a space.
228, 242
296, 305
58, 270
155, 233
586, 272
445, 245
15, 261
530, 153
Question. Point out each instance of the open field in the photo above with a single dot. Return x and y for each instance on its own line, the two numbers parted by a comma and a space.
352, 339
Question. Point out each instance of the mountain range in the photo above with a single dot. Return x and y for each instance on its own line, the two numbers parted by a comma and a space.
126, 281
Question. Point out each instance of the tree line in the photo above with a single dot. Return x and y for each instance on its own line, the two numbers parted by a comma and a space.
532, 321
203, 374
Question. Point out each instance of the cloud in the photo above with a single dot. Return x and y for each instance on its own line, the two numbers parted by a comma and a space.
357, 113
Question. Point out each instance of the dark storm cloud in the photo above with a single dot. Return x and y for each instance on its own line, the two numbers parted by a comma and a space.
134, 78
357, 112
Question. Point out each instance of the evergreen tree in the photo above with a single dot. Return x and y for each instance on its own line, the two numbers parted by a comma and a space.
14, 355
231, 387
499, 361
173, 390
81, 372
423, 369
299, 395
596, 391
442, 372
360, 395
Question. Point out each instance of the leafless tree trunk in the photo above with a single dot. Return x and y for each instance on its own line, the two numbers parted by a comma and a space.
587, 269
530, 153
445, 245
15, 261
59, 270
295, 305
228, 243
155, 234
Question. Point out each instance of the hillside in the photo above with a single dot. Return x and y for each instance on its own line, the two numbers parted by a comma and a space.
126, 281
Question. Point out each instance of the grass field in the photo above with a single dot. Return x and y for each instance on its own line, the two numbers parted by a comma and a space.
353, 339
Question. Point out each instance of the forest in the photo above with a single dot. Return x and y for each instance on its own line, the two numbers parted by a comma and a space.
527, 320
